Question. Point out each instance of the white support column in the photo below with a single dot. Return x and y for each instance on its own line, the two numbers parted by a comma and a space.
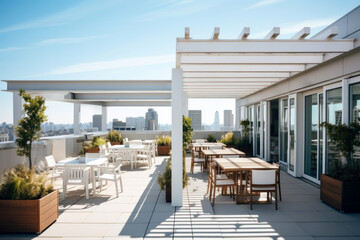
176, 137
237, 114
77, 111
104, 118
18, 109
185, 106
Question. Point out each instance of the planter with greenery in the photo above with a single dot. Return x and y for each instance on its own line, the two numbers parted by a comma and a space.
164, 179
115, 137
164, 145
229, 140
27, 202
340, 186
244, 144
93, 146
211, 138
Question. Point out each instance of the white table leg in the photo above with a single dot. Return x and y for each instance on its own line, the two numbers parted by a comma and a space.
93, 180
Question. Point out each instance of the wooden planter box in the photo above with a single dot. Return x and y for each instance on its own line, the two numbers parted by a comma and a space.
115, 143
343, 196
93, 150
29, 215
168, 193
163, 150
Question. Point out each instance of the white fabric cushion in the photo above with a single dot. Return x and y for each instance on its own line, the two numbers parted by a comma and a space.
225, 182
197, 160
221, 177
263, 188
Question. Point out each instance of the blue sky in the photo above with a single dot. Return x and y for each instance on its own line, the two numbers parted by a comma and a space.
111, 39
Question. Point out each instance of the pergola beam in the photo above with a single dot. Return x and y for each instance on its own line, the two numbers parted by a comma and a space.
243, 67
273, 33
216, 33
244, 33
302, 34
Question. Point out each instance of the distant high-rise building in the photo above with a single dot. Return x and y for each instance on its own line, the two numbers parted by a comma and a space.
195, 115
228, 120
216, 125
151, 115
97, 122
117, 125
137, 122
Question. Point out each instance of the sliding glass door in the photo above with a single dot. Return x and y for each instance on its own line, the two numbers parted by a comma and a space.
292, 134
284, 130
311, 136
258, 130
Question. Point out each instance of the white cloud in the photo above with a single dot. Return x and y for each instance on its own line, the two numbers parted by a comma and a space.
67, 40
264, 3
112, 64
292, 28
57, 19
176, 8
8, 49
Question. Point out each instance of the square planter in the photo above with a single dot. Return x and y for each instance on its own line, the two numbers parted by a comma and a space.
29, 215
343, 196
163, 150
115, 143
93, 150
168, 193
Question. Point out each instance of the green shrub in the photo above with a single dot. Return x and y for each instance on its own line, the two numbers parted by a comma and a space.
115, 136
163, 140
97, 141
229, 139
21, 183
211, 138
165, 177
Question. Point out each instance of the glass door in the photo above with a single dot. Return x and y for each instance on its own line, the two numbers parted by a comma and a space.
333, 116
284, 130
292, 134
311, 136
258, 130
264, 135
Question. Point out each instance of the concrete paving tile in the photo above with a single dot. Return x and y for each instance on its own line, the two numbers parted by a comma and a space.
325, 229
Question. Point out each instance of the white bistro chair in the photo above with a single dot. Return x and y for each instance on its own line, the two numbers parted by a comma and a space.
76, 175
145, 155
55, 172
111, 173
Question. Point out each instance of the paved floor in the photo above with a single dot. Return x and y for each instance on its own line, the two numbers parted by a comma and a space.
141, 212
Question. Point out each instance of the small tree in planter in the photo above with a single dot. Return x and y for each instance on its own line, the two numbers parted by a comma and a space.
340, 186
164, 143
28, 129
229, 139
93, 147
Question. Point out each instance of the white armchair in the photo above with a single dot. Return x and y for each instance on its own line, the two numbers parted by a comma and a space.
145, 155
263, 181
112, 173
55, 172
76, 175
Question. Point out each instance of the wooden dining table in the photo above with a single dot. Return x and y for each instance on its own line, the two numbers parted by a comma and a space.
209, 154
242, 166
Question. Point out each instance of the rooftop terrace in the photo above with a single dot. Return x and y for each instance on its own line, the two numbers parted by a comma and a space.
141, 212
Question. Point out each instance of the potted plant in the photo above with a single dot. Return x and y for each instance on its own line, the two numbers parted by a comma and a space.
164, 144
164, 179
115, 137
211, 138
244, 144
93, 147
229, 139
340, 185
28, 202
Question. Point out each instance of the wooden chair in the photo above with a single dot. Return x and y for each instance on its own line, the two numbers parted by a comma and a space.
76, 175
111, 173
278, 178
217, 183
194, 160
263, 181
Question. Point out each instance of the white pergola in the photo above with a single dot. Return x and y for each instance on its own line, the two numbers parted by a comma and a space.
207, 68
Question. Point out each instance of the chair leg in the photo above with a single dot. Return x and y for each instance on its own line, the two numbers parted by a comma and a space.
87, 190
213, 200
192, 167
117, 188
276, 200
210, 187
251, 208
279, 187
121, 185
64, 190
